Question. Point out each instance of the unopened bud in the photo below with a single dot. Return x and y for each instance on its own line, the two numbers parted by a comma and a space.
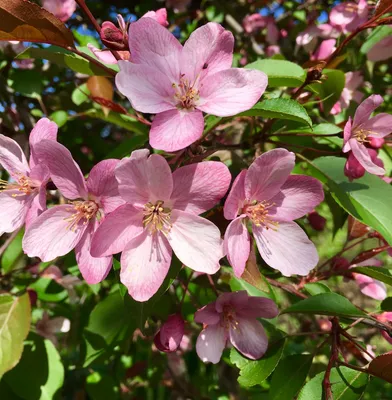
316, 221
169, 337
376, 143
113, 37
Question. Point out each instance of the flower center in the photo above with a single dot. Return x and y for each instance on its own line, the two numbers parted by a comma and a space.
84, 211
362, 134
156, 217
24, 185
186, 94
257, 212
229, 319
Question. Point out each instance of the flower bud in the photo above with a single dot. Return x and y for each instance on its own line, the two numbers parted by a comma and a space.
316, 221
353, 169
341, 263
169, 337
386, 317
376, 143
115, 38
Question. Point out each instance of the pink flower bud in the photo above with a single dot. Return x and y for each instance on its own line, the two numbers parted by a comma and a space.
376, 143
353, 169
316, 221
169, 337
386, 317
32, 296
113, 37
341, 263
324, 324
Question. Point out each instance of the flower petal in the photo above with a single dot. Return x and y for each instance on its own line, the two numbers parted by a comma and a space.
248, 337
64, 171
259, 307
148, 89
287, 249
268, 173
105, 56
12, 157
371, 287
237, 245
380, 125
207, 315
176, 129
298, 196
231, 91
236, 197
37, 206
347, 133
362, 155
195, 241
365, 109
237, 300
382, 50
94, 270
13, 210
199, 187
152, 44
211, 343
44, 129
210, 46
116, 231
50, 236
143, 180
145, 263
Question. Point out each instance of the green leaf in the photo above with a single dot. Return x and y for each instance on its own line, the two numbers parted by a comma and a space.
255, 372
101, 387
239, 284
126, 147
381, 274
326, 304
40, 369
330, 89
210, 122
280, 72
320, 129
281, 109
28, 83
377, 34
317, 288
49, 290
367, 199
386, 304
12, 254
15, 317
346, 384
289, 376
65, 58
80, 94
59, 117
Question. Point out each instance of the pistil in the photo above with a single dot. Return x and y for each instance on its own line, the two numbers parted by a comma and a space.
156, 217
258, 213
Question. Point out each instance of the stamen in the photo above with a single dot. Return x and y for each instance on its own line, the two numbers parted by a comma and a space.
23, 184
362, 134
258, 214
156, 217
85, 210
187, 94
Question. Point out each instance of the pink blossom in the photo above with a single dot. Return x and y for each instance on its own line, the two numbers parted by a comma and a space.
70, 226
169, 337
308, 38
179, 83
362, 128
353, 169
232, 317
62, 9
381, 51
326, 48
348, 16
272, 50
159, 15
106, 56
386, 317
254, 22
268, 198
24, 197
161, 215
354, 80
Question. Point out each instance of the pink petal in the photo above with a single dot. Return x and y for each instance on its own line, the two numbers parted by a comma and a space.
199, 187
12, 157
287, 249
362, 155
105, 56
237, 245
13, 210
231, 91
210, 45
43, 129
144, 264
236, 197
146, 87
298, 196
373, 262
371, 287
64, 171
152, 44
381, 51
211, 343
50, 236
40, 173
144, 180
159, 15
94, 270
207, 315
237, 300
116, 231
347, 135
325, 49
37, 206
259, 307
195, 241
380, 125
364, 110
171, 333
354, 80
176, 129
268, 173
248, 337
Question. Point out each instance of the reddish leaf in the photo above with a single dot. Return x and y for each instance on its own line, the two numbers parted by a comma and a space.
109, 104
356, 229
28, 22
381, 367
101, 87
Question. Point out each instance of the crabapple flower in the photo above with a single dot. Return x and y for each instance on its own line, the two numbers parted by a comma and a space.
268, 198
386, 317
179, 83
348, 16
381, 51
62, 9
161, 215
70, 226
354, 80
308, 37
169, 337
159, 15
23, 198
232, 318
326, 48
362, 128
354, 170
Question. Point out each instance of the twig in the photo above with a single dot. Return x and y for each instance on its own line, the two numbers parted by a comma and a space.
288, 288
332, 359
361, 369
